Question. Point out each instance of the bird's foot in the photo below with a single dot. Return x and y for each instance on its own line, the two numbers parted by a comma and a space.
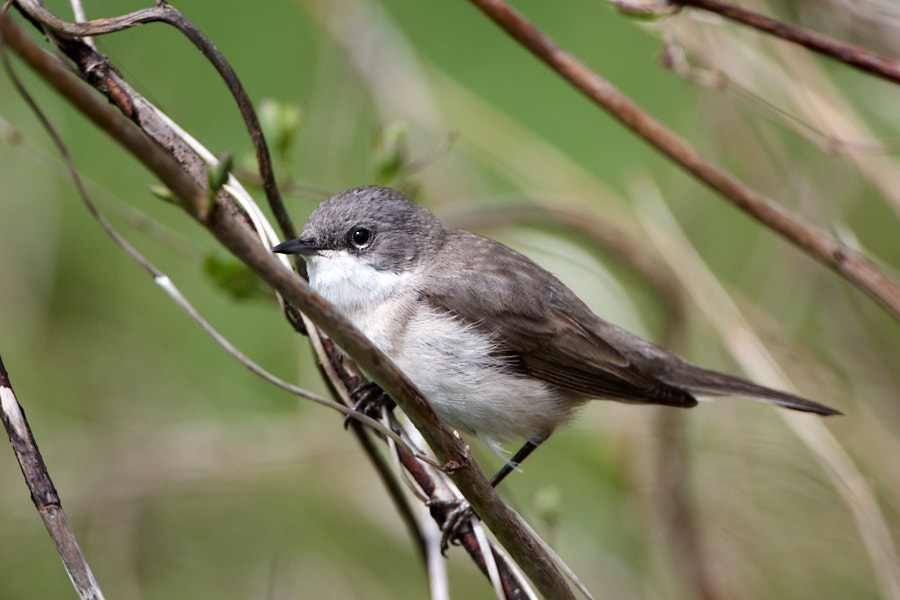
368, 399
457, 522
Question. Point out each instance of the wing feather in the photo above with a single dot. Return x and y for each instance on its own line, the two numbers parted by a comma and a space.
540, 325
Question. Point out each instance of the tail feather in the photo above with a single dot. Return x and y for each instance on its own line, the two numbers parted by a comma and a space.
704, 381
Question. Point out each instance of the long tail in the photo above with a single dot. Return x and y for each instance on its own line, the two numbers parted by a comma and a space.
703, 381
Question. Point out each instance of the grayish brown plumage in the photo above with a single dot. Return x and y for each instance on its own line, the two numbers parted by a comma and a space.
499, 345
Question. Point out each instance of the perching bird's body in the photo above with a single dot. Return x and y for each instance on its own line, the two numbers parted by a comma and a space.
497, 344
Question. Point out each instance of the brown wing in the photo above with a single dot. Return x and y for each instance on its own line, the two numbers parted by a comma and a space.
540, 325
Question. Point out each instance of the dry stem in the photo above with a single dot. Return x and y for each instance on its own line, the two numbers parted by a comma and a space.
866, 60
219, 217
853, 266
43, 493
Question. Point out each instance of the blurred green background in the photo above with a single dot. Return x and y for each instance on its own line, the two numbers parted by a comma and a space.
186, 476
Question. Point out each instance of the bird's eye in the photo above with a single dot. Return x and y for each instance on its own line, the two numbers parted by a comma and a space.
360, 237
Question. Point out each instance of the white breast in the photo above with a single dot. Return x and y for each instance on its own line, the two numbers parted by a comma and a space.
451, 362
348, 283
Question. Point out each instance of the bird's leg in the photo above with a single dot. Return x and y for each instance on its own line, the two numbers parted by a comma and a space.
460, 517
368, 399
529, 447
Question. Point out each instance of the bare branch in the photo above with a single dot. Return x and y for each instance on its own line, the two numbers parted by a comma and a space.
675, 58
185, 188
672, 470
709, 295
358, 419
343, 376
853, 266
81, 17
799, 85
866, 60
347, 374
43, 493
219, 219
512, 588
167, 14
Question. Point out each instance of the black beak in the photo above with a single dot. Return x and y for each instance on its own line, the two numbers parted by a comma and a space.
298, 246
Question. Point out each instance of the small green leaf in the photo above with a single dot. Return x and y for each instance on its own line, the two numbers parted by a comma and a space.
389, 153
233, 277
217, 175
547, 502
163, 193
281, 123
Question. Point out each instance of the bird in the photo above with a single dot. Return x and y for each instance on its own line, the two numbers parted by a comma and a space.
498, 345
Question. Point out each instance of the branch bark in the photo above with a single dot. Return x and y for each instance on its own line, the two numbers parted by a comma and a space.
43, 493
853, 266
219, 218
165, 13
871, 62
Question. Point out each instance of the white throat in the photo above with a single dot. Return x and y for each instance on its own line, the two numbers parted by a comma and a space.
448, 359
349, 283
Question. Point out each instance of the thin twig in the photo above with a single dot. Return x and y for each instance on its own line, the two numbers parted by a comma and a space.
806, 88
131, 101
855, 267
708, 294
81, 17
43, 493
866, 60
351, 378
672, 463
440, 511
678, 511
343, 376
675, 59
138, 107
166, 284
220, 221
167, 14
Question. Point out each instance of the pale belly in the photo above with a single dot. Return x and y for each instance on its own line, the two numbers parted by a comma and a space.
456, 369
452, 364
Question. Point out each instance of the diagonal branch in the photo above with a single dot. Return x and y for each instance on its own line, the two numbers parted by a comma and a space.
853, 266
422, 476
167, 14
43, 493
861, 58
357, 420
218, 216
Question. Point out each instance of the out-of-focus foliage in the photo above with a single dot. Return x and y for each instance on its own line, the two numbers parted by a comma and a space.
185, 476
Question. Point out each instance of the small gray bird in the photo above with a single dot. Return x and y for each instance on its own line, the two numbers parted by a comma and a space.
499, 346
